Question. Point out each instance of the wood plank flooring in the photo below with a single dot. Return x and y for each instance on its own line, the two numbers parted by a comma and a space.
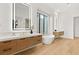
58, 47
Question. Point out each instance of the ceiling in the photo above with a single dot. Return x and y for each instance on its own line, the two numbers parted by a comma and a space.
57, 7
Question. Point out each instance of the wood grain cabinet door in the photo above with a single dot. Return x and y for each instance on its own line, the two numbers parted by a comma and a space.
23, 43
28, 42
7, 47
7, 43
8, 50
37, 39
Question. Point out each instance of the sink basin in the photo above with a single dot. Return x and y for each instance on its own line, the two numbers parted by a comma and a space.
16, 36
8, 37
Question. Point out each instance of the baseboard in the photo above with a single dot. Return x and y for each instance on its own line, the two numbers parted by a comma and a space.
67, 38
76, 37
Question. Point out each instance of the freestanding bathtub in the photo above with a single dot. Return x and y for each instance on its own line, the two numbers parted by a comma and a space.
47, 39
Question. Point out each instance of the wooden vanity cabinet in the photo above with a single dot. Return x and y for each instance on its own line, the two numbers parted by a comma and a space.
16, 45
7, 47
28, 42
23, 43
58, 34
37, 39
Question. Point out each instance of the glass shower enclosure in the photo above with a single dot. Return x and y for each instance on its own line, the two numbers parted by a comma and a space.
42, 23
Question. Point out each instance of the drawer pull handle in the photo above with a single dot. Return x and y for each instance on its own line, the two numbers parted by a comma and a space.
23, 39
39, 36
7, 49
39, 40
31, 37
6, 41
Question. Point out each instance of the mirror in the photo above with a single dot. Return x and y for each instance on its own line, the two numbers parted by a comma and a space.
21, 16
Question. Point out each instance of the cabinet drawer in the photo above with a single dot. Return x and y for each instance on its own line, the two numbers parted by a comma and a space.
6, 43
58, 33
61, 33
55, 33
7, 50
37, 39
23, 43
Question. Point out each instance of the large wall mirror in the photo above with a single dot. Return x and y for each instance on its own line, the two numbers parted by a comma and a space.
21, 16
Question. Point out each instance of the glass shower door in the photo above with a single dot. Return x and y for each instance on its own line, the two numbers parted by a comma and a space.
45, 25
42, 23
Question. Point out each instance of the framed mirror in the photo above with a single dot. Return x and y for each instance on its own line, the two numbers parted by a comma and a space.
21, 15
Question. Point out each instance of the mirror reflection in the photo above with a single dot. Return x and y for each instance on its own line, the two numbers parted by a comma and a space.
21, 16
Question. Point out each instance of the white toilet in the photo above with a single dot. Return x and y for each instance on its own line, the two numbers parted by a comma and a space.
48, 39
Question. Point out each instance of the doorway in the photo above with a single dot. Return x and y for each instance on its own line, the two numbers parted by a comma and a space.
76, 27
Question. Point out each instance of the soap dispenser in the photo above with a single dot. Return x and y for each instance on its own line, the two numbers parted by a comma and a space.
55, 30
31, 31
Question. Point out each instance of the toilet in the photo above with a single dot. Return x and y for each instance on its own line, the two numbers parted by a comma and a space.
47, 39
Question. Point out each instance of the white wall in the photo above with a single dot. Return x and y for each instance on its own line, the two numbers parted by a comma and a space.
58, 22
51, 25
5, 17
67, 18
67, 25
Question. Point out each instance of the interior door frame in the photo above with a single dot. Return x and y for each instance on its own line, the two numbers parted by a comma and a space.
74, 26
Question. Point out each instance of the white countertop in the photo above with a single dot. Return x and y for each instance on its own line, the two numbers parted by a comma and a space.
4, 38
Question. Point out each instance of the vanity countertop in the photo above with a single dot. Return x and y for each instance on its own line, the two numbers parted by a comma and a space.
5, 38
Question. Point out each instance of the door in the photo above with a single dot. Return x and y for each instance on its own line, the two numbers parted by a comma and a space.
76, 27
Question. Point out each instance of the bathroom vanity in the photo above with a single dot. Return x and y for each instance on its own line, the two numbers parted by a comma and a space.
14, 45
21, 21
58, 34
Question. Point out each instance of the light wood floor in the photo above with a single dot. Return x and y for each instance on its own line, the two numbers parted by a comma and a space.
58, 47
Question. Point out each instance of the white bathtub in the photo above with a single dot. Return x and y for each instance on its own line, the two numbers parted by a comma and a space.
47, 39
